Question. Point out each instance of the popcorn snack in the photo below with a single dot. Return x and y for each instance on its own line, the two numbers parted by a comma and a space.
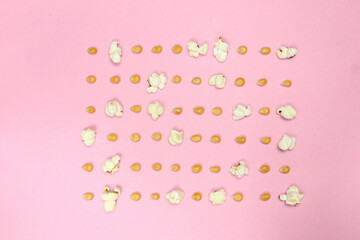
218, 197
155, 109
156, 82
110, 198
217, 80
285, 52
112, 165
113, 109
175, 137
287, 112
88, 137
115, 52
195, 50
221, 50
241, 111
287, 142
292, 197
175, 196
239, 169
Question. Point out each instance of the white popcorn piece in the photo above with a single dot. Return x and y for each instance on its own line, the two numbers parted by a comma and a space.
113, 109
156, 82
115, 52
287, 142
175, 137
175, 196
241, 111
217, 80
287, 112
221, 50
195, 50
112, 165
110, 198
88, 137
292, 197
285, 52
218, 197
239, 170
155, 109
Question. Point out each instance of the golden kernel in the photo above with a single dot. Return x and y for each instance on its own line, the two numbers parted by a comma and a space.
242, 50
240, 139
215, 169
92, 50
88, 167
198, 110
239, 82
265, 140
155, 196
215, 139
284, 169
156, 49
156, 166
136, 49
265, 196
135, 78
88, 196
237, 197
216, 111
136, 108
90, 109
264, 111
91, 79
197, 196
196, 81
115, 79
177, 49
135, 137
265, 51
196, 168
264, 169
112, 137
176, 79
135, 196
196, 138
156, 136
175, 167
286, 83
135, 167
177, 110
261, 82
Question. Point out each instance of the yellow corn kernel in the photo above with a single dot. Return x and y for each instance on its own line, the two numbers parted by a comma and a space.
196, 80
136, 196
112, 137
239, 82
91, 79
265, 50
156, 166
242, 50
115, 79
136, 49
88, 167
264, 169
265, 140
284, 169
176, 79
215, 169
135, 78
240, 139
198, 110
286, 83
135, 167
265, 196
136, 108
90, 109
156, 136
197, 196
177, 110
261, 82
216, 111
156, 49
215, 139
264, 111
135, 137
196, 168
177, 49
237, 197
155, 196
88, 196
196, 138
92, 50
175, 167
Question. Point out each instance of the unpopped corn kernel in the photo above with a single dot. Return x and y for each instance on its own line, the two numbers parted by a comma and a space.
136, 108
198, 110
265, 50
156, 166
215, 169
175, 167
239, 82
264, 169
90, 109
91, 79
261, 82
115, 79
112, 137
136, 49
216, 111
156, 136
88, 167
136, 196
135, 137
240, 139
197, 196
177, 49
88, 196
284, 169
264, 111
92, 50
196, 80
176, 79
135, 167
156, 49
237, 197
196, 138
215, 139
265, 140
135, 78
196, 168
242, 50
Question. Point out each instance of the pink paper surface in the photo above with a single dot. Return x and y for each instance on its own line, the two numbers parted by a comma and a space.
44, 63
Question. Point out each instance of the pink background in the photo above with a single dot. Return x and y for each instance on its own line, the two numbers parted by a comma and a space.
44, 64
